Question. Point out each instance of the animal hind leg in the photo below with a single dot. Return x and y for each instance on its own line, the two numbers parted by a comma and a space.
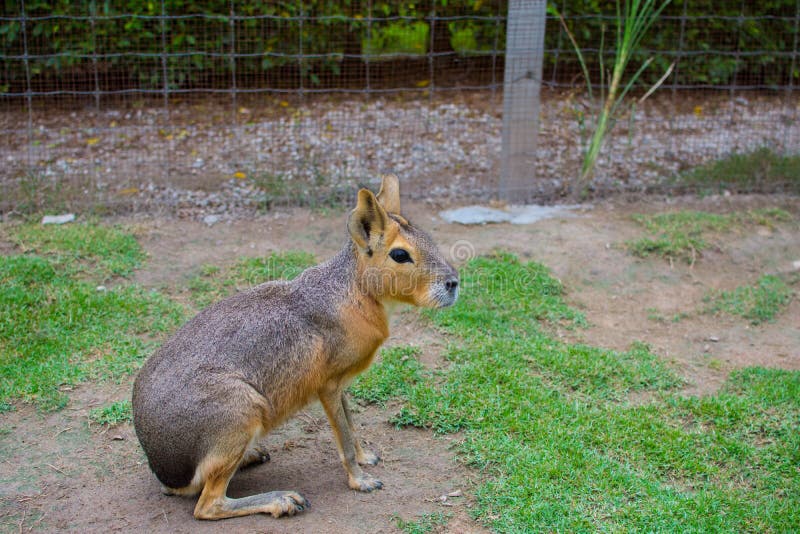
214, 504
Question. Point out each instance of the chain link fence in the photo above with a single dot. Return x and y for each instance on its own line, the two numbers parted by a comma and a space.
225, 105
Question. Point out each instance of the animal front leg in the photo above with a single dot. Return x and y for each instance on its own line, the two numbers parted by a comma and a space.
356, 477
363, 457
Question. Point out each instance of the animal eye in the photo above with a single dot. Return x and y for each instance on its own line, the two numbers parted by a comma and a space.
400, 256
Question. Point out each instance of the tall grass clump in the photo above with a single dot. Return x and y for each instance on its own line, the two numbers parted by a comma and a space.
633, 20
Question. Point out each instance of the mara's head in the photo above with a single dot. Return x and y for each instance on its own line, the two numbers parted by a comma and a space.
399, 261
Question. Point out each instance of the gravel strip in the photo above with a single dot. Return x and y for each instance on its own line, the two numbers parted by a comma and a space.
198, 159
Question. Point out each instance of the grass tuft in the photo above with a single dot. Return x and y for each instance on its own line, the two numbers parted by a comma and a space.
112, 414
683, 235
758, 303
101, 251
759, 171
213, 284
399, 370
425, 524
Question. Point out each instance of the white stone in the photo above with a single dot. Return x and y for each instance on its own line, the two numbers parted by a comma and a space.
58, 219
513, 214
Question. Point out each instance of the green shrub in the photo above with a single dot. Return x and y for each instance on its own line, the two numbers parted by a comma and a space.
128, 38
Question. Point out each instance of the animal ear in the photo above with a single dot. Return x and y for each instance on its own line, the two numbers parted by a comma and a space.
367, 221
389, 195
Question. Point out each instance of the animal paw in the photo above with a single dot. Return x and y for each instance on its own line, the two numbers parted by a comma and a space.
288, 503
368, 458
255, 456
365, 483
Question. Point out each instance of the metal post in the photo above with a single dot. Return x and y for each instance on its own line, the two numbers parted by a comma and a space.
675, 74
232, 59
495, 48
165, 87
28, 87
164, 73
738, 59
558, 45
431, 51
366, 56
790, 85
301, 20
521, 85
93, 15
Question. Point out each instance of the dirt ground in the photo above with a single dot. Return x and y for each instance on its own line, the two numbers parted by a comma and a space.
63, 474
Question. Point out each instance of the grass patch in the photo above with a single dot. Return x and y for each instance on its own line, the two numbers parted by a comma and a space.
425, 524
213, 284
112, 414
561, 444
758, 303
397, 372
683, 235
759, 171
57, 328
102, 251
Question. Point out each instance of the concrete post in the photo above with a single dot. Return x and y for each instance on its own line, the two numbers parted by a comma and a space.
521, 85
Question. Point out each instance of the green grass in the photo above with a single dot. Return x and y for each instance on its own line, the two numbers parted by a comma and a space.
212, 283
425, 524
102, 251
574, 438
758, 303
398, 371
112, 414
58, 328
683, 235
759, 171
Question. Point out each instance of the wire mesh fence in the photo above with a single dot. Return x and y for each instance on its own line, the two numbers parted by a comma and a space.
229, 104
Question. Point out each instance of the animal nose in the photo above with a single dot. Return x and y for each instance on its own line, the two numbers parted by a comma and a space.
451, 284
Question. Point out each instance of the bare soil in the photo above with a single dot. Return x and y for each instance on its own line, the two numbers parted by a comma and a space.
62, 473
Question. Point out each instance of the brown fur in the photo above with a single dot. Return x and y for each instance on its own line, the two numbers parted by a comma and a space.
244, 365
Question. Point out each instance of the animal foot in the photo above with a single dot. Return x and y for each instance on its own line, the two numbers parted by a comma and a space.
288, 503
368, 458
365, 483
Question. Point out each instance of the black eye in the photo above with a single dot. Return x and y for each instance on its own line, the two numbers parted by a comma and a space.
400, 256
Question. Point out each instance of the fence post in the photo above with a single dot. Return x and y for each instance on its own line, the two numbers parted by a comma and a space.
164, 72
790, 89
28, 86
521, 84
93, 16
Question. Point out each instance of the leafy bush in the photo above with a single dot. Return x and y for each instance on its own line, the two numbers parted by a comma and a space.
126, 37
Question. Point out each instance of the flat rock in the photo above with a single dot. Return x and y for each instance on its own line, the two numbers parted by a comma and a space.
58, 219
211, 220
512, 214
475, 215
